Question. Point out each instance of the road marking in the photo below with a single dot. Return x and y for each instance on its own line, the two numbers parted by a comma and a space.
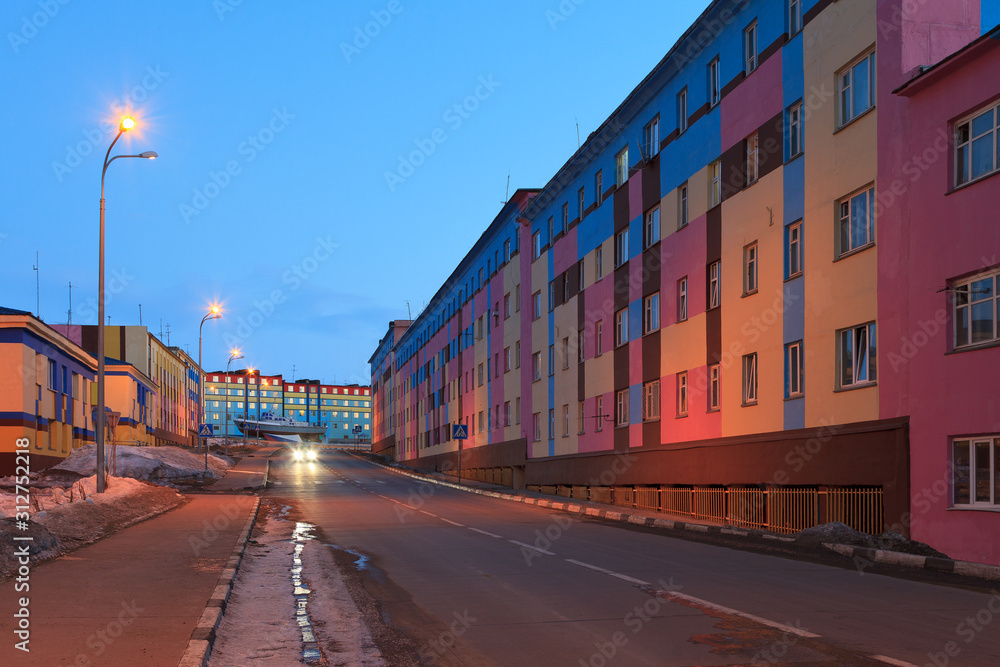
612, 573
454, 523
892, 661
532, 547
733, 612
484, 532
429, 514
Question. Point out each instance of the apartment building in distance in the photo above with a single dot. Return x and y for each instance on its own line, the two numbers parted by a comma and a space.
710, 295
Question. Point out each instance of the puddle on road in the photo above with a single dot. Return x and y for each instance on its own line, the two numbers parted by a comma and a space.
300, 590
362, 560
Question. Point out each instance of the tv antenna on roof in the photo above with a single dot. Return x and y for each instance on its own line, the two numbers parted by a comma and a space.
506, 196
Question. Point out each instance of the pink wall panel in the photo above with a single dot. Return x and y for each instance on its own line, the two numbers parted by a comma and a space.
752, 103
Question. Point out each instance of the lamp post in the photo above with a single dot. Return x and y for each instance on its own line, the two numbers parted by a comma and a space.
246, 404
225, 428
213, 314
125, 125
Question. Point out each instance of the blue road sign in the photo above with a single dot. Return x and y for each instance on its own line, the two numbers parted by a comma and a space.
459, 432
205, 431
357, 428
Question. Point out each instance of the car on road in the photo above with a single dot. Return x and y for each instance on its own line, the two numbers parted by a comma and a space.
304, 452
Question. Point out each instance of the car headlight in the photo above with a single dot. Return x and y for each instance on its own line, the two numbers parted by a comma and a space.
311, 455
298, 455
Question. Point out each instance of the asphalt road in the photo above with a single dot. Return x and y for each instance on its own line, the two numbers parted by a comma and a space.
475, 580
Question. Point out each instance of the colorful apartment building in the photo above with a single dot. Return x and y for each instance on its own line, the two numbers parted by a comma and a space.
700, 297
341, 408
45, 389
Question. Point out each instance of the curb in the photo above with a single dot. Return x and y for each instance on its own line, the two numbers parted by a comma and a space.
199, 647
608, 514
963, 567
966, 568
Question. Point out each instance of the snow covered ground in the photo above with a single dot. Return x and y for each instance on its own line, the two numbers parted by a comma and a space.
150, 463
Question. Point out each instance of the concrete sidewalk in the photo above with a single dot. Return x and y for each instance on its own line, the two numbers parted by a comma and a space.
249, 473
133, 598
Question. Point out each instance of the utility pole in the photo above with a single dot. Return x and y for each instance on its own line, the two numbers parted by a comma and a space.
69, 313
38, 289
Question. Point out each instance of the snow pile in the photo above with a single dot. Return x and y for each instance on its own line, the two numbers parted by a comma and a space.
150, 463
43, 499
841, 533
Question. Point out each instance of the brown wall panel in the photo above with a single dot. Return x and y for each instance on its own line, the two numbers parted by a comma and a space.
650, 356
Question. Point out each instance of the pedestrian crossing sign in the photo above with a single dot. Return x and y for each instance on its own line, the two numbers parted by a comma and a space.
459, 432
205, 431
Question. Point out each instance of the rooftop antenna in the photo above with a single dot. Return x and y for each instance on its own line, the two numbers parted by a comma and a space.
38, 289
409, 315
577, 133
69, 313
168, 335
293, 372
161, 329
140, 314
506, 197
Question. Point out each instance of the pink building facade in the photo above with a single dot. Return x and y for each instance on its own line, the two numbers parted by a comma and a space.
939, 269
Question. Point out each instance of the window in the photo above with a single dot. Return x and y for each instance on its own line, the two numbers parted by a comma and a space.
506, 305
506, 250
599, 330
621, 167
517, 298
552, 359
517, 410
565, 413
714, 284
536, 245
621, 407
536, 366
682, 110
651, 313
480, 421
651, 401
496, 314
598, 263
750, 47
552, 296
552, 230
580, 417
517, 354
682, 394
565, 218
750, 268
794, 130
715, 184
581, 204
750, 379
713, 387
552, 423
565, 353
621, 327
976, 471
714, 83
52, 375
977, 152
793, 369
651, 228
794, 16
506, 360
496, 365
651, 137
857, 355
599, 417
793, 240
682, 206
856, 88
752, 161
977, 310
536, 305
536, 420
857, 221
598, 187
621, 247
682, 299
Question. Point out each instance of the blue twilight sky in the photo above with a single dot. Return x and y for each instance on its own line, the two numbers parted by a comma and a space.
276, 125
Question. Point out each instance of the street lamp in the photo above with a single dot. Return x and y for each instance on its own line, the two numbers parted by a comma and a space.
126, 125
246, 404
213, 314
235, 355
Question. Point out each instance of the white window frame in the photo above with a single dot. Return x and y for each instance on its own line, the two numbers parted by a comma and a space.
536, 366
682, 394
621, 327
752, 159
794, 245
968, 137
651, 227
621, 167
714, 387
536, 245
598, 263
714, 82
847, 221
847, 89
968, 472
581, 201
651, 136
795, 130
750, 55
794, 17
599, 417
599, 187
848, 341
682, 205
682, 299
651, 313
651, 401
565, 352
581, 426
621, 247
715, 184
750, 379
565, 411
599, 343
751, 265
969, 297
621, 408
536, 305
715, 284
794, 371
552, 423
682, 110
536, 419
